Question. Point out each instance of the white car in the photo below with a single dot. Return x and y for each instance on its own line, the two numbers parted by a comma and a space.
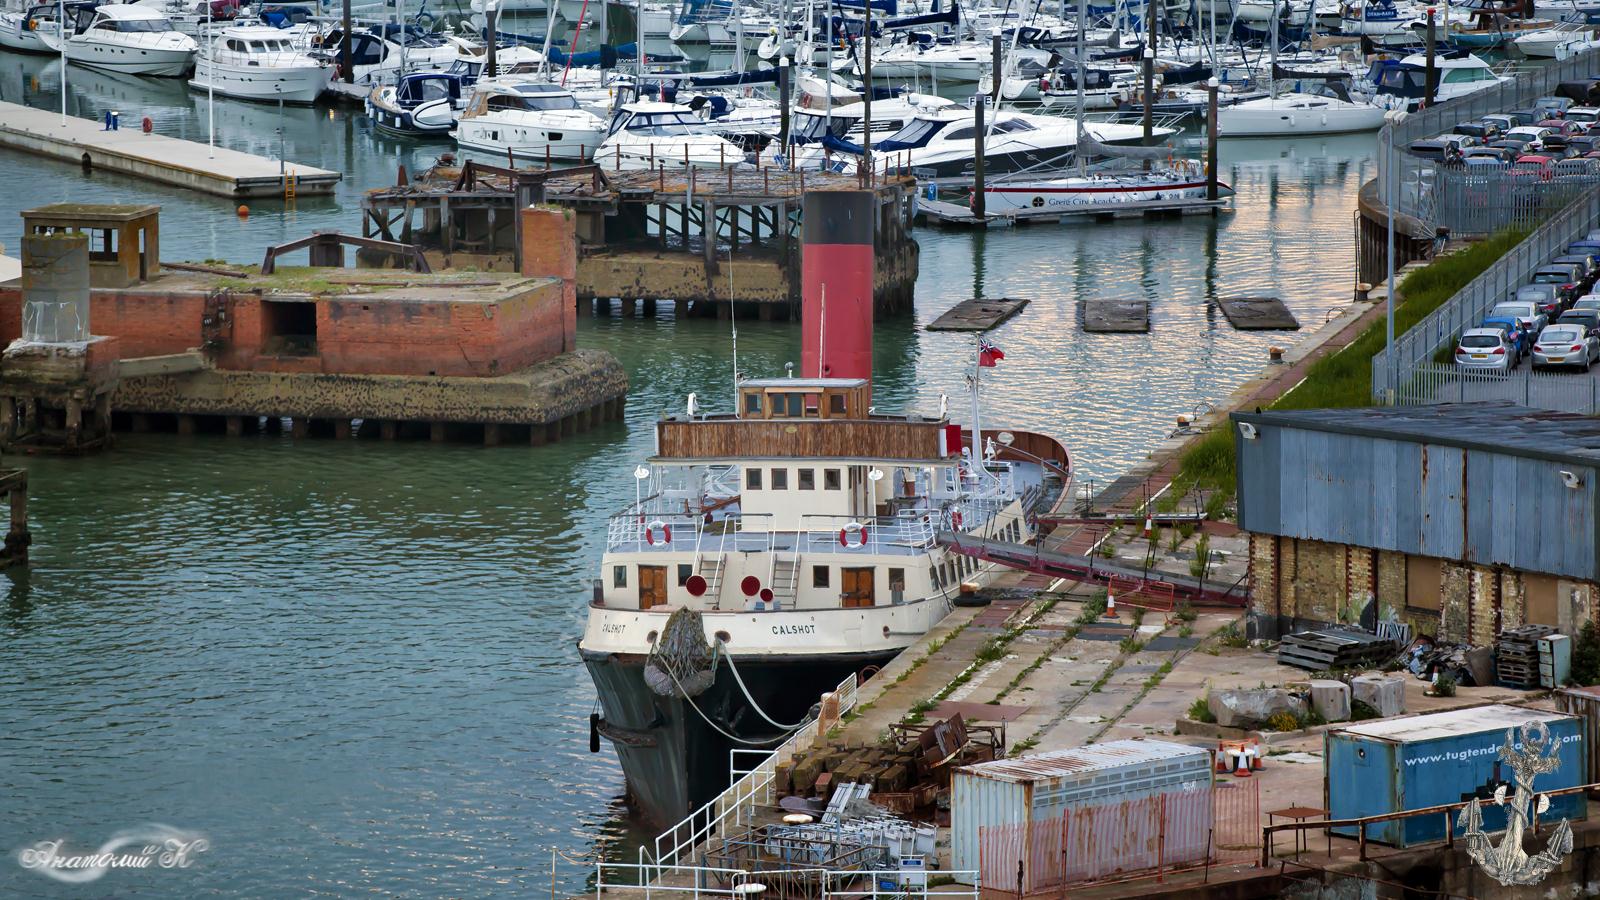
1566, 344
1485, 350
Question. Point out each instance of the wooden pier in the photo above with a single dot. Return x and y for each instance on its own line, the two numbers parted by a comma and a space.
155, 157
702, 238
943, 212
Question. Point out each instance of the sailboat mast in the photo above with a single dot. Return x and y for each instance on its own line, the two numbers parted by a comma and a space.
1077, 147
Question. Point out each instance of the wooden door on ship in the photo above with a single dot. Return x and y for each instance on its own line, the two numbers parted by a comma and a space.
652, 586
855, 587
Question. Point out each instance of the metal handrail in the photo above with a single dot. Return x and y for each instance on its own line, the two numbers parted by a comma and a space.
1267, 831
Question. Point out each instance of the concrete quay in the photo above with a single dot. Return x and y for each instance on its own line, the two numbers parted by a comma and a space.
155, 157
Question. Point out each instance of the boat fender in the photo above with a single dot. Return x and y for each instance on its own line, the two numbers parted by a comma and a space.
955, 518
147, 125
594, 732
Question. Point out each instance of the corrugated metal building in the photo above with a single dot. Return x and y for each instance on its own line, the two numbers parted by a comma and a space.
1081, 814
1462, 519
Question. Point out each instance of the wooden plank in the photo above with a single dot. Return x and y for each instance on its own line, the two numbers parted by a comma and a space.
841, 439
1116, 316
1258, 314
977, 314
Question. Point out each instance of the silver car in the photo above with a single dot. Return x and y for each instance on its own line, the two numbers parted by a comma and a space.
1524, 311
1587, 301
1566, 345
1485, 350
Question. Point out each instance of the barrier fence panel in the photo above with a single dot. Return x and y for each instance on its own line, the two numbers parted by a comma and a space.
1561, 391
1236, 834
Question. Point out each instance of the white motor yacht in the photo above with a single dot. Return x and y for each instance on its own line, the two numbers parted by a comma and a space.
1297, 114
528, 119
131, 39
1555, 42
817, 134
255, 62
647, 135
945, 142
1062, 194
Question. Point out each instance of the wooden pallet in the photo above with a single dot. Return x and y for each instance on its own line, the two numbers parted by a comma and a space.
1334, 648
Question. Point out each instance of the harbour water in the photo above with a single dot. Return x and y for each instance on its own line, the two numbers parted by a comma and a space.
351, 665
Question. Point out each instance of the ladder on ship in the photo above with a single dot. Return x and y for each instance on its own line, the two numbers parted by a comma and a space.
785, 580
709, 566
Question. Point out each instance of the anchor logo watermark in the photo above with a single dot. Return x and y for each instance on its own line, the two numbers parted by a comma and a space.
1508, 863
146, 847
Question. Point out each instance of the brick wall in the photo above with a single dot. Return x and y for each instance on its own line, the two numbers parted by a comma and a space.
550, 250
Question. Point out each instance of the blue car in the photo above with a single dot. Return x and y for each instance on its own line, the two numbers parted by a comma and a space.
1517, 336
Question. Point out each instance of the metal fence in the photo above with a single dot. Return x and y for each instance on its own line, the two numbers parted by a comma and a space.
1440, 328
1561, 391
1481, 203
1414, 173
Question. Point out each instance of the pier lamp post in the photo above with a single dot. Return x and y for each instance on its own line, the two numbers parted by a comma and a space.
1386, 151
639, 475
211, 84
61, 38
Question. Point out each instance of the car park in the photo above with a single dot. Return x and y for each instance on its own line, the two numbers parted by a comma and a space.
1588, 265
1567, 344
1442, 147
1484, 349
1587, 301
1527, 116
1555, 106
1528, 312
1563, 126
1532, 136
1567, 277
1501, 121
1585, 114
1496, 154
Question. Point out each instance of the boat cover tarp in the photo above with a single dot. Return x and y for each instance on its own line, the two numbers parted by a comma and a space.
1186, 75
604, 56
951, 16
1088, 146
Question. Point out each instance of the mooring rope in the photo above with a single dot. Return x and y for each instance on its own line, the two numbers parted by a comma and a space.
753, 704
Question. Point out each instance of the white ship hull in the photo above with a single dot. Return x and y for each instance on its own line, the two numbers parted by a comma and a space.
1289, 117
297, 84
16, 35
132, 60
1062, 194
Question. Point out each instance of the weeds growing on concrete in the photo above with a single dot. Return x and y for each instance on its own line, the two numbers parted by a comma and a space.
1200, 711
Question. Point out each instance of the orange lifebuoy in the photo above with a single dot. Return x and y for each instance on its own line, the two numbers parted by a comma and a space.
650, 532
844, 535
955, 518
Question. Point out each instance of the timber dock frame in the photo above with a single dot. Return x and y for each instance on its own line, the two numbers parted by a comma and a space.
642, 234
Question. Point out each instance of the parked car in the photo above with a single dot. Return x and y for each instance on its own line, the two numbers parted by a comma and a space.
1587, 301
1587, 263
1567, 127
1501, 121
1532, 137
1498, 155
1568, 278
1519, 338
1484, 349
1556, 106
1510, 146
1524, 310
1589, 319
1483, 131
1585, 114
1590, 246
1527, 116
1567, 344
1442, 147
1546, 300
1584, 143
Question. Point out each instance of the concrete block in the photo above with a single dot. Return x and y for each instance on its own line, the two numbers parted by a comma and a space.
1331, 699
1384, 693
1252, 707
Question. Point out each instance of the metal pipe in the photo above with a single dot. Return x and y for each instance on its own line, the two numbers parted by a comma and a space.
1211, 137
1432, 83
978, 101
1149, 95
783, 109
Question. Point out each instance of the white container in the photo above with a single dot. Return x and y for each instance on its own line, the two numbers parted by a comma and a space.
1156, 795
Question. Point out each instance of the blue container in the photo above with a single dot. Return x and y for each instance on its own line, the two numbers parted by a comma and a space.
1421, 761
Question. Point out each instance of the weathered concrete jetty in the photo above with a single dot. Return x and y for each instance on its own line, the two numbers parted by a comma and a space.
155, 157
316, 350
702, 238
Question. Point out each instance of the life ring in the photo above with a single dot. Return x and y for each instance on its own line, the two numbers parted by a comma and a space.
650, 532
859, 529
955, 518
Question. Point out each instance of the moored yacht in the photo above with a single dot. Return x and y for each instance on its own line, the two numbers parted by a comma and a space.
255, 62
35, 28
945, 142
779, 547
528, 119
647, 135
132, 39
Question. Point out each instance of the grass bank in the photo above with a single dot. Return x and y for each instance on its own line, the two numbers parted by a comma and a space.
1344, 378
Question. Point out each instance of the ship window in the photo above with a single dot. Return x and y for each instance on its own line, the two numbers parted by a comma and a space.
752, 403
819, 576
780, 479
897, 585
830, 479
752, 479
933, 577
619, 576
808, 479
684, 571
836, 403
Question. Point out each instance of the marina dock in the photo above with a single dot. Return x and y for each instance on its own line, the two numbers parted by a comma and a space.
155, 157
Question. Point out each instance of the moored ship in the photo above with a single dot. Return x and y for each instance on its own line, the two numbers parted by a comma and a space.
779, 547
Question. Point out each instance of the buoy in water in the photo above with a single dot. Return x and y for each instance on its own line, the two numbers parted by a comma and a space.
244, 211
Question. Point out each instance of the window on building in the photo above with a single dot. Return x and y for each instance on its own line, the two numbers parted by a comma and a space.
1543, 600
897, 585
836, 404
830, 479
808, 479
684, 571
752, 479
619, 576
819, 576
1422, 583
780, 479
752, 404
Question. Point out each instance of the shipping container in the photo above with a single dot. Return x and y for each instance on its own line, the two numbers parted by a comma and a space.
1075, 815
1416, 762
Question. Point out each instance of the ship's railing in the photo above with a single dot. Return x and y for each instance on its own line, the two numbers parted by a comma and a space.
912, 529
836, 884
639, 531
736, 806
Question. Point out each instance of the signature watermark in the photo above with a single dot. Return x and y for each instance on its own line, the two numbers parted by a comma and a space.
145, 847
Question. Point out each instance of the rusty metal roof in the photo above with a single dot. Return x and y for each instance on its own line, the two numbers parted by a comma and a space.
1496, 426
1079, 760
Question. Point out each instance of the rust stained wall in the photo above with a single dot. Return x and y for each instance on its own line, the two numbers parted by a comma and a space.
147, 323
